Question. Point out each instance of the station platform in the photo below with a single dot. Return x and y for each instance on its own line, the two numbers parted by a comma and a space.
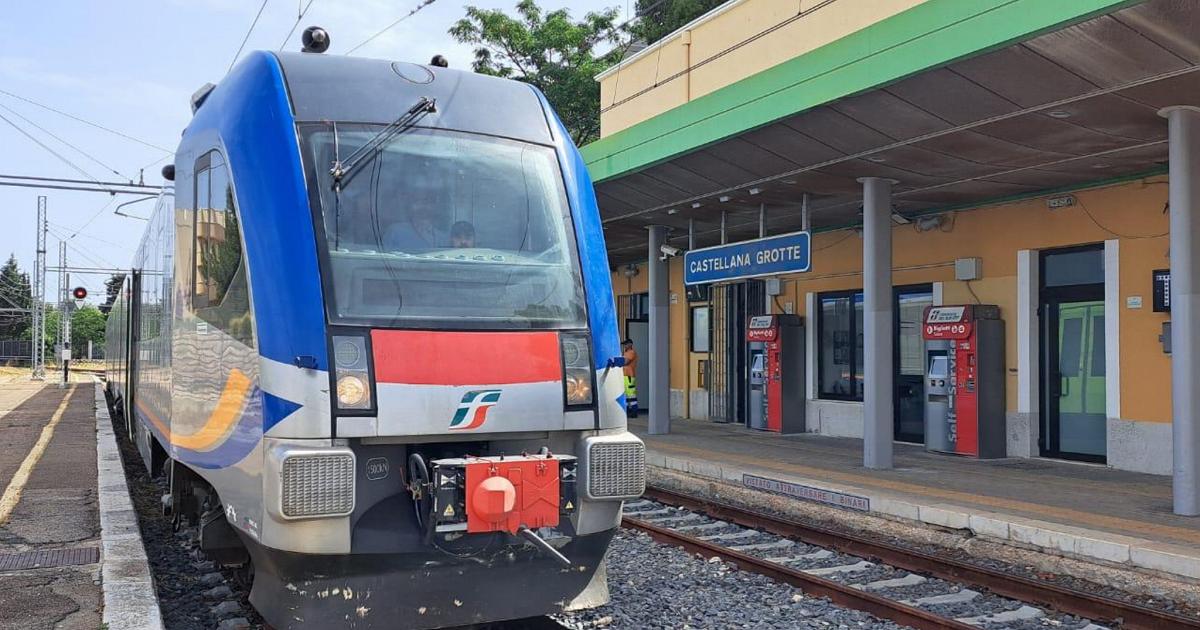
71, 553
1084, 511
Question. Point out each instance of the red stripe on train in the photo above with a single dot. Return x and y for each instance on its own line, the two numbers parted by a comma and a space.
418, 357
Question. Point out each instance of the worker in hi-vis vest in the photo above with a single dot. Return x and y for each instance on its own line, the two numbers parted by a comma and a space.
631, 360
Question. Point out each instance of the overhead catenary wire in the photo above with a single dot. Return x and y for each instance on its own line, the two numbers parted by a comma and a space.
299, 16
67, 228
50, 150
84, 121
421, 5
56, 137
89, 256
247, 37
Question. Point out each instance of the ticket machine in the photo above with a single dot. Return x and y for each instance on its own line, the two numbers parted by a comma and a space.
777, 350
964, 387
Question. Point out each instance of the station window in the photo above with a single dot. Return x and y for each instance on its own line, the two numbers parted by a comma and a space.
840, 326
701, 328
220, 294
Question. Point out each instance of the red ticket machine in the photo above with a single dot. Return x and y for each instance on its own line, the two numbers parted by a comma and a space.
964, 380
777, 373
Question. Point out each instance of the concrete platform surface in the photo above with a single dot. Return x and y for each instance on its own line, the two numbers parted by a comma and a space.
71, 554
1076, 510
49, 520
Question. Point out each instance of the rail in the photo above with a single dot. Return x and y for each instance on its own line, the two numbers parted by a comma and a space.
1083, 604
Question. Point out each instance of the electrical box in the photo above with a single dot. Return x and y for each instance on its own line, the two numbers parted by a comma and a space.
776, 389
967, 269
774, 286
964, 380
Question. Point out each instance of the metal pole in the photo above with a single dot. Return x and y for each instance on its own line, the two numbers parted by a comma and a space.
724, 236
63, 316
691, 234
1183, 124
659, 359
877, 322
804, 224
762, 220
38, 336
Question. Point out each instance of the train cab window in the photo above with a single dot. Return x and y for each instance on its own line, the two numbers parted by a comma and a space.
444, 228
220, 295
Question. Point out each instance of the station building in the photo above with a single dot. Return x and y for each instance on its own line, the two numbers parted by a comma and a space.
1042, 157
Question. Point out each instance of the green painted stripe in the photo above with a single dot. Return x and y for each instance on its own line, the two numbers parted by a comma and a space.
931, 34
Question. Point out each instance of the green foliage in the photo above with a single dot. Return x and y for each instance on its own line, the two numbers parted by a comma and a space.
112, 290
550, 51
659, 18
15, 292
87, 324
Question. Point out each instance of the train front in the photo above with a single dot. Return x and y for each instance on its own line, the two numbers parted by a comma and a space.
480, 452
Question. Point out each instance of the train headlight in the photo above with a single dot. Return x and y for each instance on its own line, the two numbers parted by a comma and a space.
578, 374
352, 373
351, 391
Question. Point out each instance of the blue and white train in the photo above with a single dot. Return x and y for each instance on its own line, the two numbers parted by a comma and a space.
370, 338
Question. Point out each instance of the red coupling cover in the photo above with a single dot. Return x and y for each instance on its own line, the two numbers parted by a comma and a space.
503, 495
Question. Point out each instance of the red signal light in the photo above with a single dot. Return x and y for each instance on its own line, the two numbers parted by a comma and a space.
79, 293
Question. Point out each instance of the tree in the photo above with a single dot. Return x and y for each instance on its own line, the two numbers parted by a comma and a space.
87, 324
112, 290
550, 51
15, 293
659, 18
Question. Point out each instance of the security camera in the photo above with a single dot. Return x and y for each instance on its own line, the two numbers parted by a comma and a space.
668, 251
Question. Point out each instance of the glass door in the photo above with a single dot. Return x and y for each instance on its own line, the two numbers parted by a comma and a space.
1075, 383
1074, 418
909, 360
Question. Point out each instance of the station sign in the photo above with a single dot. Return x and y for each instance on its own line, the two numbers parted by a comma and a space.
786, 253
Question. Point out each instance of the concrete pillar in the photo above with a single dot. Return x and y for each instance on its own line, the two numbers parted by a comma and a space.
659, 390
877, 322
1184, 196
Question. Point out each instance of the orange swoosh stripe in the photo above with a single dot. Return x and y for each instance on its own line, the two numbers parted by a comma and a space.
218, 425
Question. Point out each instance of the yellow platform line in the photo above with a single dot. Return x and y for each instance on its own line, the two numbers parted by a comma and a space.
1073, 517
12, 494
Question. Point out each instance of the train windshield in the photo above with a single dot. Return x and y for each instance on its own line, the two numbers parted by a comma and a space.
445, 229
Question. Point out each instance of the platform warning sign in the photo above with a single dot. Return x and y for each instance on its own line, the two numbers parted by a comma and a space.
810, 493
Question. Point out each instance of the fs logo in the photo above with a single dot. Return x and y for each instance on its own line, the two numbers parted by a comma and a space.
472, 411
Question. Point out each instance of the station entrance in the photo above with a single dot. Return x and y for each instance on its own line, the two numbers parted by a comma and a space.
1074, 418
729, 354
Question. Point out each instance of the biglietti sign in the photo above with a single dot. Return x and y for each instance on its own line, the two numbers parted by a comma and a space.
786, 253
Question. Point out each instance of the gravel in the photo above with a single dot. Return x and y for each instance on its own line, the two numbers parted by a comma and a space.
656, 586
192, 593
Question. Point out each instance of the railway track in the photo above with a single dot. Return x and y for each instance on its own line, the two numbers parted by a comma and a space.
903, 585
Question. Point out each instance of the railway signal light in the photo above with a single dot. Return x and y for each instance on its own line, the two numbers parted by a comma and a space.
79, 293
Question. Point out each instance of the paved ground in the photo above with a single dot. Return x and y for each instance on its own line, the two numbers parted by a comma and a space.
56, 509
1078, 495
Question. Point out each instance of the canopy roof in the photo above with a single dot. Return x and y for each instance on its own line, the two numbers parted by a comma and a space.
1068, 108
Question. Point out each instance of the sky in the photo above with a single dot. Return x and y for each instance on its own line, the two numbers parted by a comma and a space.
131, 66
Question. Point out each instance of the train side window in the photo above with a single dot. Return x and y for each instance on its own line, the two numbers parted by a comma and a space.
220, 295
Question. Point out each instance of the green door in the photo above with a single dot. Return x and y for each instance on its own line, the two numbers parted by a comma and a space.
1081, 418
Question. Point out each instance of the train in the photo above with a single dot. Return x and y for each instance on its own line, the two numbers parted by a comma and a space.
369, 337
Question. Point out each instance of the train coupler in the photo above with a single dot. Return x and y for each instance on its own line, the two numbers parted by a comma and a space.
479, 495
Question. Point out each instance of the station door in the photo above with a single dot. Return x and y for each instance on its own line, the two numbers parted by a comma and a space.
729, 371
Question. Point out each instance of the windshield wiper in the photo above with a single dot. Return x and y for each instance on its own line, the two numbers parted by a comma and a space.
344, 170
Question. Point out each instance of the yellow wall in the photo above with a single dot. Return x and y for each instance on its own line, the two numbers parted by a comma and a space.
721, 50
1132, 213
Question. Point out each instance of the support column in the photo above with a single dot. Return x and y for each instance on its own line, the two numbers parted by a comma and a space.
877, 322
659, 390
1184, 197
